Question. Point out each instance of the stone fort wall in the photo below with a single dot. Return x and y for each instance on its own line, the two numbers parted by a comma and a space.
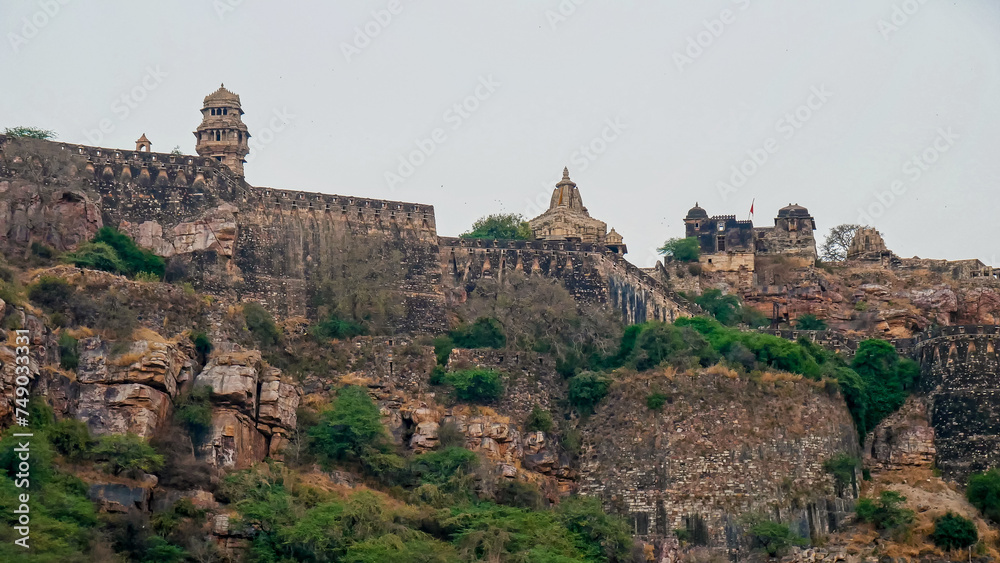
263, 243
960, 375
591, 272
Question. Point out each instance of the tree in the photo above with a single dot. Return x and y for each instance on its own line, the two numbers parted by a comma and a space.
476, 385
808, 321
952, 531
774, 538
681, 249
725, 308
351, 430
984, 493
885, 512
538, 420
127, 453
261, 324
838, 240
22, 131
841, 466
587, 389
509, 226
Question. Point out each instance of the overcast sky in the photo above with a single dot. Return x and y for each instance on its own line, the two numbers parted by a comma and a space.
651, 105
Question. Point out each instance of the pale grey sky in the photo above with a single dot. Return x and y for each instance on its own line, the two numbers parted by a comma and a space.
651, 105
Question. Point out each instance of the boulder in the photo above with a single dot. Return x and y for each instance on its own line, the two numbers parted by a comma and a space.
155, 364
233, 378
118, 409
234, 441
115, 497
278, 402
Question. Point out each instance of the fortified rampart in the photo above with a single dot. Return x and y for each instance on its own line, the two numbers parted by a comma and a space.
960, 374
591, 272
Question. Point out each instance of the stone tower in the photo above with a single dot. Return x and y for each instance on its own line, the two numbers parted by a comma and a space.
222, 134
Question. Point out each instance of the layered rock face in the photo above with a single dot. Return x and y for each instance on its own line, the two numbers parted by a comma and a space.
720, 447
254, 410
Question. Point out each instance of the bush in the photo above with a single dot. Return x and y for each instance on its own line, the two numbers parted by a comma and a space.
71, 438
336, 327
476, 385
127, 453
438, 376
655, 401
519, 494
450, 435
193, 412
51, 293
984, 493
96, 256
134, 259
43, 251
485, 332
842, 467
202, 345
30, 133
500, 226
261, 325
351, 430
885, 512
725, 308
774, 538
439, 466
810, 322
443, 345
69, 358
538, 420
587, 390
681, 249
952, 531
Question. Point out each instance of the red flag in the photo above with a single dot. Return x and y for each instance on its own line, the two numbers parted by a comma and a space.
751, 205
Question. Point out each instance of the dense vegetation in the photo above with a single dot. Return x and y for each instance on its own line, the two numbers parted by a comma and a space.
113, 251
499, 226
681, 249
984, 493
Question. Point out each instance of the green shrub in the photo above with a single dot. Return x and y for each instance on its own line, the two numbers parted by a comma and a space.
202, 345
725, 308
587, 390
43, 251
71, 438
96, 256
336, 327
809, 321
681, 249
655, 401
193, 411
476, 385
351, 431
439, 466
134, 259
519, 494
485, 332
438, 376
22, 131
261, 324
885, 512
984, 493
842, 467
127, 453
500, 226
774, 538
51, 293
69, 358
443, 345
952, 531
538, 420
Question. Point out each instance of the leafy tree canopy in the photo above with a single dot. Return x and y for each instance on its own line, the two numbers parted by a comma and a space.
501, 226
22, 131
681, 249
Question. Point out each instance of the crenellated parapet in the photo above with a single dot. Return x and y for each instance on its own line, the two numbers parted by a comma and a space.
591, 272
960, 374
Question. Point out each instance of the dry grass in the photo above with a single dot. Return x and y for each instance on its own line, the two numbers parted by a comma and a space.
143, 333
81, 333
719, 369
126, 359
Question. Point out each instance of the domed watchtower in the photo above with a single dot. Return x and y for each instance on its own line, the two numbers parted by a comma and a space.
222, 134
